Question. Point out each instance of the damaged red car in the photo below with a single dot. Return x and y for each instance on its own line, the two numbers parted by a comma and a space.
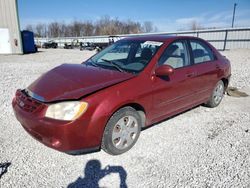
104, 102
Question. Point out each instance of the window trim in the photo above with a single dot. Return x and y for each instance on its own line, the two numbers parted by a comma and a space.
186, 47
199, 41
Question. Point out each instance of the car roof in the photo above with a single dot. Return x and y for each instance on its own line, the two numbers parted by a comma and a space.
160, 38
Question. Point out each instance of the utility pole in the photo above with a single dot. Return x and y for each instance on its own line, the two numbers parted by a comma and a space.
235, 4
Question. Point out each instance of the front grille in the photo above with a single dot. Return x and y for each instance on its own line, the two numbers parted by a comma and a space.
25, 102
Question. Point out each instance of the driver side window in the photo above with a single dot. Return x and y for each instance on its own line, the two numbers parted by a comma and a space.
117, 53
175, 55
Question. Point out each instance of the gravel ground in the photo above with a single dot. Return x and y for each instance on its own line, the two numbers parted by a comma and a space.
199, 148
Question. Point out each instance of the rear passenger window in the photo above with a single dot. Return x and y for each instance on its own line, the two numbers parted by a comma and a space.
175, 55
201, 52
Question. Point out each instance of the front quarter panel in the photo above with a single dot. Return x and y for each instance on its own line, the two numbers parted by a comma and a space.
106, 102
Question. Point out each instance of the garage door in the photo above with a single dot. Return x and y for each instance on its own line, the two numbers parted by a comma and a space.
5, 47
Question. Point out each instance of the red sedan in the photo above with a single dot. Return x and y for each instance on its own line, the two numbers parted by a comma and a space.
104, 102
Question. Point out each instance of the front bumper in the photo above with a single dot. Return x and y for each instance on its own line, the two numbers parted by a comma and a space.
72, 137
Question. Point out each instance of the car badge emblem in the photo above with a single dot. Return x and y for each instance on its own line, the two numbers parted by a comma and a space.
21, 104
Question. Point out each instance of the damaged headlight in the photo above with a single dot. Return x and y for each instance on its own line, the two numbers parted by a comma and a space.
69, 110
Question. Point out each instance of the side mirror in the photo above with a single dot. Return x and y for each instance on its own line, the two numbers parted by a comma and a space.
164, 70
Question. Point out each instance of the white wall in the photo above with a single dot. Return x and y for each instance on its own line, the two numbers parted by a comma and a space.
9, 20
5, 46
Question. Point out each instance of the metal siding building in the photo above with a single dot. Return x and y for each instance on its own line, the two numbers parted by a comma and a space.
10, 36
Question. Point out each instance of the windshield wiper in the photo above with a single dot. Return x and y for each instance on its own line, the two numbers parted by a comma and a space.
114, 65
93, 63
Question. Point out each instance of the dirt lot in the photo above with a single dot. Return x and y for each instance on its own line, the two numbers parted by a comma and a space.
202, 147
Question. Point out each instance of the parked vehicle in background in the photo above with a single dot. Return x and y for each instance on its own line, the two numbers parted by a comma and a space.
50, 44
68, 46
111, 40
71, 45
104, 102
87, 46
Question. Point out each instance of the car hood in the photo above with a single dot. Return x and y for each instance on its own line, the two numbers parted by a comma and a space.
73, 81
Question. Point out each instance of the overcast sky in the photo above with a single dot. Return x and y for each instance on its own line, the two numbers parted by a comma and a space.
166, 15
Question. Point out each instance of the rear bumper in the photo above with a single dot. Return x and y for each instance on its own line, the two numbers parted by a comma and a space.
72, 137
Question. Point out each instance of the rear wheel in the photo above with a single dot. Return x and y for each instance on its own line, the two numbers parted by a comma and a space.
122, 131
217, 95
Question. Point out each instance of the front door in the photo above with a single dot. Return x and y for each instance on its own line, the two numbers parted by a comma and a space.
174, 92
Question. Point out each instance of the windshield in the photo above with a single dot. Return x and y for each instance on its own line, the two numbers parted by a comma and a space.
126, 55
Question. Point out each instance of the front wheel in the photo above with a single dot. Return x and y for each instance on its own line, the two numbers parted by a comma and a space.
217, 95
122, 131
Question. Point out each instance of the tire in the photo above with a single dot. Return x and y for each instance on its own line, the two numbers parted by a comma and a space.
122, 131
217, 95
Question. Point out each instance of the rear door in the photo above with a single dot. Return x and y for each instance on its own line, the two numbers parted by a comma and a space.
174, 92
206, 67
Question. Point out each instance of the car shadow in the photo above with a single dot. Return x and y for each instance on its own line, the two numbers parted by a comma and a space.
93, 174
